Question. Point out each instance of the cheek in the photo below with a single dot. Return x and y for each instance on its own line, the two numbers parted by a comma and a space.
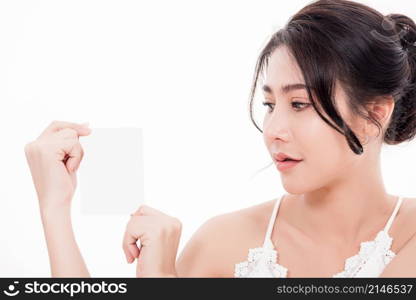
323, 144
325, 153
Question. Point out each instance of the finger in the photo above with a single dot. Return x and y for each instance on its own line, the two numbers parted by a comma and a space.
67, 133
75, 156
126, 251
58, 125
130, 248
134, 250
145, 210
71, 153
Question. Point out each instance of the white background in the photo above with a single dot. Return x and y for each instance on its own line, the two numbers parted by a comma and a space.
181, 70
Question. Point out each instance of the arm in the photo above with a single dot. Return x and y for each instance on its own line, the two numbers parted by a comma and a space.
64, 255
404, 264
205, 254
192, 262
53, 159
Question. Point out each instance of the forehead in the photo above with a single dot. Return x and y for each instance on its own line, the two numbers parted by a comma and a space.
282, 69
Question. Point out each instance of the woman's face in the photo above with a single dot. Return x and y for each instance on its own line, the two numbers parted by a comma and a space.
292, 126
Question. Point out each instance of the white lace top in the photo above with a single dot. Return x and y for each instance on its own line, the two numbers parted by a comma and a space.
370, 261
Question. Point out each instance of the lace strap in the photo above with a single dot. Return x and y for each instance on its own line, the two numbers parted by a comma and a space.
393, 215
267, 240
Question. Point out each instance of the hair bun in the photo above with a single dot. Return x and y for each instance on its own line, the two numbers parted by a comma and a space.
404, 125
405, 28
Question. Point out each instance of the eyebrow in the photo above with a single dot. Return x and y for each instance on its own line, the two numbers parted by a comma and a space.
286, 88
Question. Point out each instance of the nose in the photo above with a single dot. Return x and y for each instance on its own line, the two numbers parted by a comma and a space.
276, 126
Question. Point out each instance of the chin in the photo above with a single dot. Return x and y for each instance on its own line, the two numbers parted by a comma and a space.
298, 186
294, 188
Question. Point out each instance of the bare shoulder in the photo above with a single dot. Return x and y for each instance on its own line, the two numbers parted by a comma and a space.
404, 264
223, 240
408, 206
404, 226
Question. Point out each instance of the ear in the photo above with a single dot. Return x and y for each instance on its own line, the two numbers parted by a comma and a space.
380, 109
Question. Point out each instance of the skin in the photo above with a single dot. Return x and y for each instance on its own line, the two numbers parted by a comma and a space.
55, 183
53, 158
334, 195
325, 197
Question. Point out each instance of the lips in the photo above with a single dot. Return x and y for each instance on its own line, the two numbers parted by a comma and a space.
279, 157
285, 162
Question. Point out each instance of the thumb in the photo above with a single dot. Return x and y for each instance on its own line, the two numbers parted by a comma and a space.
74, 158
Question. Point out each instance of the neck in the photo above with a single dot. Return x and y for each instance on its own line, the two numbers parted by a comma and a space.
349, 209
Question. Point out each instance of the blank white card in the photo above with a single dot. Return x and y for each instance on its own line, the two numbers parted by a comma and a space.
111, 171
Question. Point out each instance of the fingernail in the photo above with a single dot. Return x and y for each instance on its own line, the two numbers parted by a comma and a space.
86, 124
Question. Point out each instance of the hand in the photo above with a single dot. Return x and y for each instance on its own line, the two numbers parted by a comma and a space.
159, 236
53, 159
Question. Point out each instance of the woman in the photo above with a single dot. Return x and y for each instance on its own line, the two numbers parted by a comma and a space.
339, 80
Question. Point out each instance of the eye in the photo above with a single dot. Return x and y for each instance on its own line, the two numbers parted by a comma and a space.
268, 105
299, 105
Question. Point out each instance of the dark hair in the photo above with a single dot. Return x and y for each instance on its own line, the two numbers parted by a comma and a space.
371, 55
